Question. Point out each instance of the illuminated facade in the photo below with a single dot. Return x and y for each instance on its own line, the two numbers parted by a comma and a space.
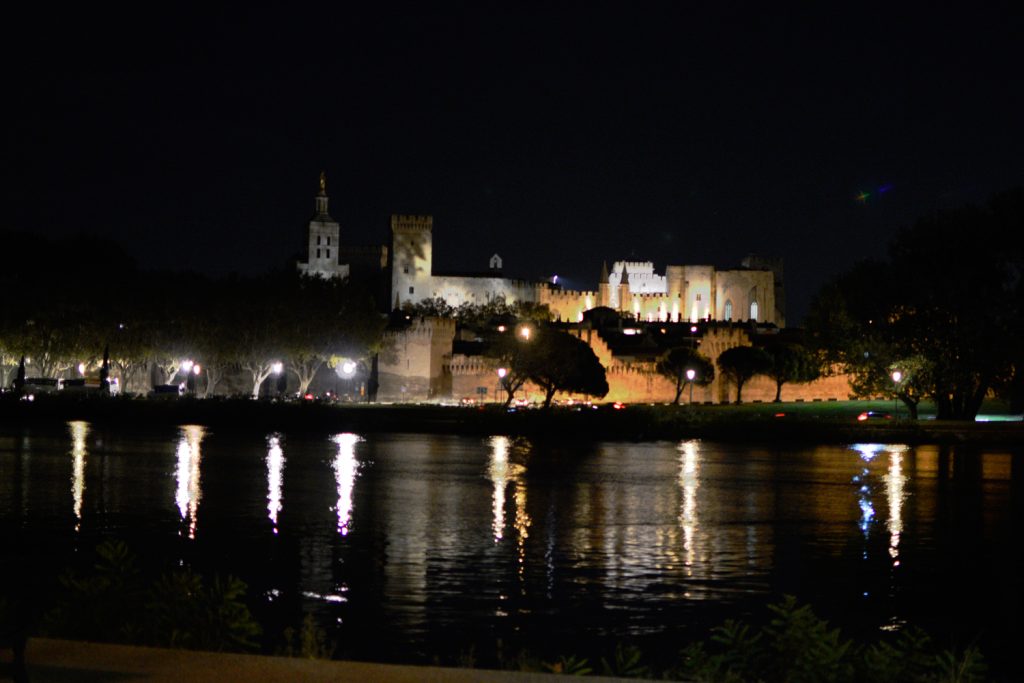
683, 293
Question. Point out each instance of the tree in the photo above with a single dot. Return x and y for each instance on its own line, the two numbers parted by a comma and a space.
791, 362
515, 355
430, 308
556, 361
944, 309
677, 361
324, 319
740, 363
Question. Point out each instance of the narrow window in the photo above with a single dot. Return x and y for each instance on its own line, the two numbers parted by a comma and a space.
411, 289
406, 270
318, 253
318, 240
753, 310
328, 241
728, 310
328, 251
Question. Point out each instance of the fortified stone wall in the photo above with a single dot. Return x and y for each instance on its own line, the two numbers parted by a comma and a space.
654, 307
566, 305
414, 362
457, 289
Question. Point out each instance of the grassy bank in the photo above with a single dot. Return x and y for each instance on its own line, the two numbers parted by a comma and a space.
825, 422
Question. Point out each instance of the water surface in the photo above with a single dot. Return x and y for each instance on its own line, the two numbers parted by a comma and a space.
413, 547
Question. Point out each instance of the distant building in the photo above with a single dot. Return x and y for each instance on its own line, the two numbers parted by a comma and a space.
684, 293
323, 241
424, 359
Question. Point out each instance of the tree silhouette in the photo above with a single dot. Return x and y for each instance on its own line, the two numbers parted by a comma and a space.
740, 363
674, 364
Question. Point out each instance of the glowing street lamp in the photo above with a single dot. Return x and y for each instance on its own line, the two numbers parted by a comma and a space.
348, 368
81, 368
186, 366
525, 332
501, 382
896, 377
192, 376
690, 374
277, 368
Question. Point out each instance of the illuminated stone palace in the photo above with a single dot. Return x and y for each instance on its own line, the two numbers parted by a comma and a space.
683, 293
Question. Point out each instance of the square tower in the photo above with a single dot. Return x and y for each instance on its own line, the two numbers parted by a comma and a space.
412, 258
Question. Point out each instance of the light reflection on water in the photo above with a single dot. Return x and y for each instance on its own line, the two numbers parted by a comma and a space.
504, 474
188, 490
689, 482
275, 477
79, 431
445, 531
346, 468
895, 492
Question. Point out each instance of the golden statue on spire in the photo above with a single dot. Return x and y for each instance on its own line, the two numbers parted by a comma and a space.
323, 181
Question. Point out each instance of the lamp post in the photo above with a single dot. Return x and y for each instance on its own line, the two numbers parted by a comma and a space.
186, 367
896, 377
277, 368
690, 374
193, 378
348, 371
501, 382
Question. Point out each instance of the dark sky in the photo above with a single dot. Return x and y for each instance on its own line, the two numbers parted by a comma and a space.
557, 135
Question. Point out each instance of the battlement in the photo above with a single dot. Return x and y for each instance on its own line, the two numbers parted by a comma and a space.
423, 327
403, 223
633, 267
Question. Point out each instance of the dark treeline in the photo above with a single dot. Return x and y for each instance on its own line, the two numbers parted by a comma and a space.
67, 301
945, 311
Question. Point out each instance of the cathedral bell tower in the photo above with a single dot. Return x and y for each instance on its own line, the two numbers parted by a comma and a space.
324, 240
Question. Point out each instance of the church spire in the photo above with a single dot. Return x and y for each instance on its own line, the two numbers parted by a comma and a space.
321, 199
604, 273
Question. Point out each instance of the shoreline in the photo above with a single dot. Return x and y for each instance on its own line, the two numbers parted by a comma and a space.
778, 423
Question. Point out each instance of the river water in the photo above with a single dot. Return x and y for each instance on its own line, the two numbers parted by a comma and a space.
423, 547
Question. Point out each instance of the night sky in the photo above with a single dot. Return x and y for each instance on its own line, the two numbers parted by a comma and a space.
556, 135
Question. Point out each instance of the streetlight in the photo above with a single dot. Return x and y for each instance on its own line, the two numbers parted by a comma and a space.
347, 371
896, 377
193, 376
501, 382
690, 374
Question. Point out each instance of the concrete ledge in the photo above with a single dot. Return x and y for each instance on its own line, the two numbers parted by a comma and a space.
61, 661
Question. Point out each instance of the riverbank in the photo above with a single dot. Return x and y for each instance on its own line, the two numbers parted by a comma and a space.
826, 422
66, 660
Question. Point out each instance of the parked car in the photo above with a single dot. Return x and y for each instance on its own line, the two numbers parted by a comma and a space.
873, 415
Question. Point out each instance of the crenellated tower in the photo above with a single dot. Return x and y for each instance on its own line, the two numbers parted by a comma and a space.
412, 258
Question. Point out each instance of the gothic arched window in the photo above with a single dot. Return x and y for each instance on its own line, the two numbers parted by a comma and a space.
728, 310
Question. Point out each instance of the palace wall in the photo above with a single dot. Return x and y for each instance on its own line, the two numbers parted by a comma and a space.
414, 363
